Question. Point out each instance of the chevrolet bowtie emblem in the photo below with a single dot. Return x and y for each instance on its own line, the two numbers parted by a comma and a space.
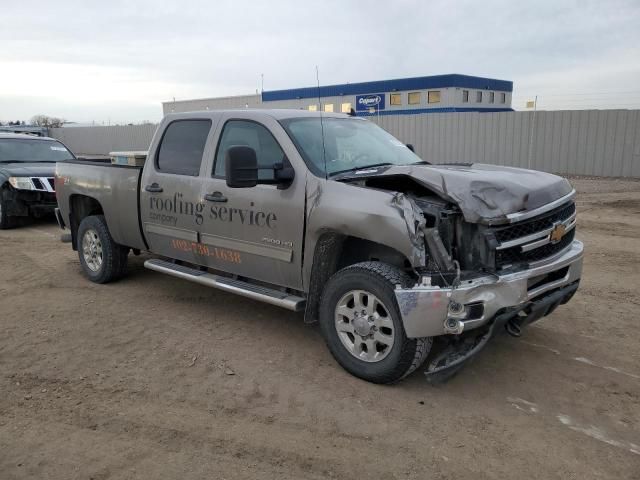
557, 233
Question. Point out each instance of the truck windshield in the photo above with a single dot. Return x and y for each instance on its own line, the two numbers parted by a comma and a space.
349, 144
32, 150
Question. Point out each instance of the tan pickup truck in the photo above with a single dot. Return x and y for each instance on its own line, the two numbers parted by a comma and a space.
400, 260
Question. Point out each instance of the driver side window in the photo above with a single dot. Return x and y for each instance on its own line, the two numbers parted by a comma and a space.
249, 134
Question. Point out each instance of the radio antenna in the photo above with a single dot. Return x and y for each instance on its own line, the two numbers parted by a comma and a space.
324, 151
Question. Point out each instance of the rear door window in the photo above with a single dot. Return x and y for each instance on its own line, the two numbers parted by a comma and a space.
182, 147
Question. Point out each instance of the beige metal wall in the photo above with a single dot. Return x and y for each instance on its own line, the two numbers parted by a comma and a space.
102, 140
578, 142
219, 103
584, 142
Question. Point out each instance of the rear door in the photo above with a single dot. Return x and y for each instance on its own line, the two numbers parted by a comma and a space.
171, 208
255, 232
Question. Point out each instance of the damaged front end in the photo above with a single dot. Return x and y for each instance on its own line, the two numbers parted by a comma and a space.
479, 279
30, 196
481, 264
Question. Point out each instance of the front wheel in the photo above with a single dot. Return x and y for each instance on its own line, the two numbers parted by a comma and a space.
362, 326
102, 259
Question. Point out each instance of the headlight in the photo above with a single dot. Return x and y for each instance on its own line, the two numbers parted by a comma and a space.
21, 183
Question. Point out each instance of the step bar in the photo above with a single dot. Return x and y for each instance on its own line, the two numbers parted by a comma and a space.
255, 292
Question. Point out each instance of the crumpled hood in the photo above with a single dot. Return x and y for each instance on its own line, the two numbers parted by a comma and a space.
487, 193
28, 169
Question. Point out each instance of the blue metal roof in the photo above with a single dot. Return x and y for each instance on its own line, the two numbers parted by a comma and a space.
400, 84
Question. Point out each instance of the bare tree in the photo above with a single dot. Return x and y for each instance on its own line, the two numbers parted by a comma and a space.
47, 121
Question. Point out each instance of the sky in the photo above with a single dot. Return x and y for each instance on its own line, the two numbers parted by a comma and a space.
113, 61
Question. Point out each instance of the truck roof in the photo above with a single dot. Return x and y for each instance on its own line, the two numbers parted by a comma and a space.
24, 136
277, 113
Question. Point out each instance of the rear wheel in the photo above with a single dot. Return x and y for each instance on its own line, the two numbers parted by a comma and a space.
5, 220
362, 326
102, 259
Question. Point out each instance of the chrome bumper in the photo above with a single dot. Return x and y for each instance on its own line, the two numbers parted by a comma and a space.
429, 311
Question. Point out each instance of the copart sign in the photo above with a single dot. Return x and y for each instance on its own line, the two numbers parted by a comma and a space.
371, 101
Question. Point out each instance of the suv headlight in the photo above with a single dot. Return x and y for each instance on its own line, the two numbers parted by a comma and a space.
21, 183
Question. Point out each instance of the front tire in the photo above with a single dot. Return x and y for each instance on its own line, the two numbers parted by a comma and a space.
361, 324
102, 259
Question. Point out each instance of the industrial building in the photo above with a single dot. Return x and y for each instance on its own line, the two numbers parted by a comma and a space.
417, 95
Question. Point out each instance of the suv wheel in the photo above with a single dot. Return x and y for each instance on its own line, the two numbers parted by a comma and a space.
102, 259
362, 326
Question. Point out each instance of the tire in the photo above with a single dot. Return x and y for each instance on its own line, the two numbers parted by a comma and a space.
369, 285
102, 259
5, 220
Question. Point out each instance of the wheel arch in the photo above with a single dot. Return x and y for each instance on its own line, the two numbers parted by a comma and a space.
335, 251
80, 207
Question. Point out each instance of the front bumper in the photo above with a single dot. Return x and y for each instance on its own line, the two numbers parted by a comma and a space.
430, 311
23, 203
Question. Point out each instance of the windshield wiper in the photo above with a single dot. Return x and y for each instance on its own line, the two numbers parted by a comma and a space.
355, 169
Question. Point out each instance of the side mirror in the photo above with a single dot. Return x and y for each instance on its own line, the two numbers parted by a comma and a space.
283, 175
410, 147
241, 166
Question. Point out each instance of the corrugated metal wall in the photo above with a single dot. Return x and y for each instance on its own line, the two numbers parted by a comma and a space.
102, 140
580, 142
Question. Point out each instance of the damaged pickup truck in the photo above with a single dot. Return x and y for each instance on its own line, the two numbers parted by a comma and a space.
399, 260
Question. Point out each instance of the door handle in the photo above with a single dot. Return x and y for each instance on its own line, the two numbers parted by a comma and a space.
153, 188
215, 197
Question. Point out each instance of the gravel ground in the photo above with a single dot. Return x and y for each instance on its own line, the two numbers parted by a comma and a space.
152, 377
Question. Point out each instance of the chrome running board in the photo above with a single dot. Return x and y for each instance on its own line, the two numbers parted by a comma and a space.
255, 292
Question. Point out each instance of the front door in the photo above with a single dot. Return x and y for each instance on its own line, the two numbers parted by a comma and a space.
171, 209
254, 232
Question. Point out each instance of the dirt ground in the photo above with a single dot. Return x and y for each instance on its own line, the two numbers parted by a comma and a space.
157, 378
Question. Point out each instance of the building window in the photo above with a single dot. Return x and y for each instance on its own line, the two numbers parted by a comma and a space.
465, 96
345, 108
328, 107
433, 96
395, 99
414, 98
492, 97
503, 97
478, 97
313, 108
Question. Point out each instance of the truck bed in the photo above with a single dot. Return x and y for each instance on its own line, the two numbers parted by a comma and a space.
116, 189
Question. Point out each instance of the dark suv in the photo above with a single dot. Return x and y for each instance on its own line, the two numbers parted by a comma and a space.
27, 169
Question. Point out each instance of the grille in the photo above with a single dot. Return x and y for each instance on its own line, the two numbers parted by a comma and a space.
513, 255
44, 184
37, 183
535, 224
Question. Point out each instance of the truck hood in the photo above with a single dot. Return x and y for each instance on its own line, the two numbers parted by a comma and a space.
486, 193
28, 169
